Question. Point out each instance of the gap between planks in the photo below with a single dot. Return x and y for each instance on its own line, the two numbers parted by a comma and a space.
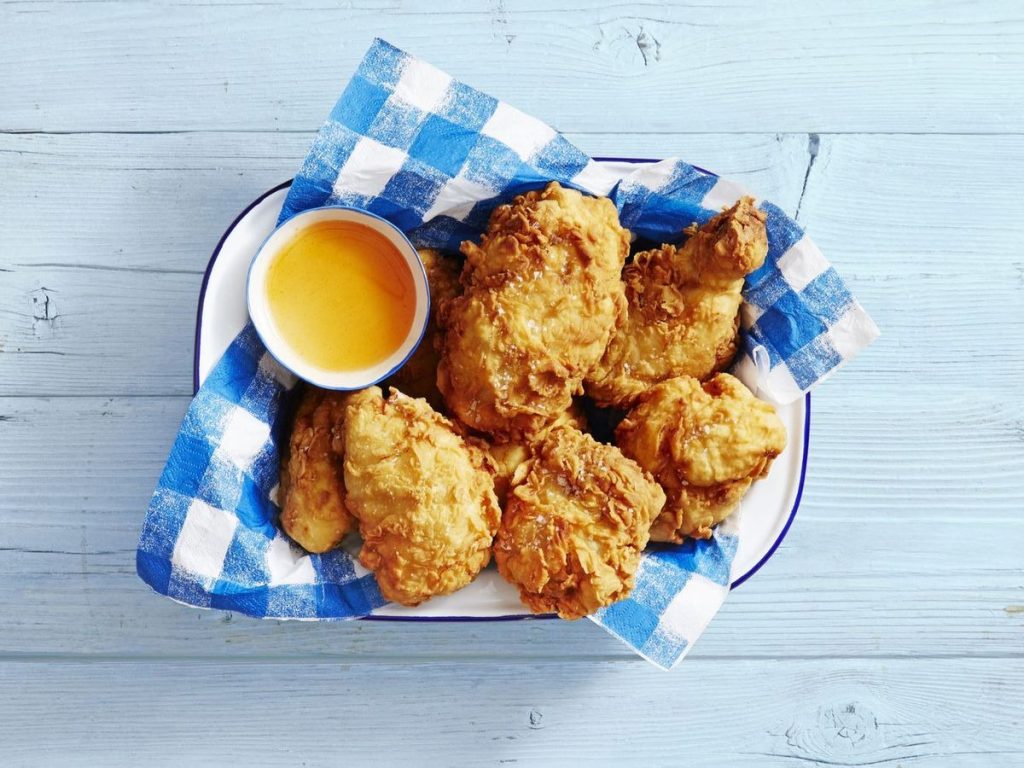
626, 657
312, 131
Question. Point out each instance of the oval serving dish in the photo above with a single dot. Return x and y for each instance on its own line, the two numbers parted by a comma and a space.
767, 511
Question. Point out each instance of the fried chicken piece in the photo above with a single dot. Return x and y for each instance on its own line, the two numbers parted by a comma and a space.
576, 521
542, 296
508, 457
418, 377
684, 303
706, 444
312, 489
423, 495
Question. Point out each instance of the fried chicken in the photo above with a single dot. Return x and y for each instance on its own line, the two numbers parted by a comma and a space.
706, 444
508, 457
683, 314
312, 489
418, 377
423, 495
576, 521
542, 296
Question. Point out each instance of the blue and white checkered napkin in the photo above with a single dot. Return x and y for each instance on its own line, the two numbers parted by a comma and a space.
209, 538
434, 156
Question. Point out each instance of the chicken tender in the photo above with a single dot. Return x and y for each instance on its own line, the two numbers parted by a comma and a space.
418, 377
543, 294
312, 489
423, 495
576, 521
706, 444
683, 315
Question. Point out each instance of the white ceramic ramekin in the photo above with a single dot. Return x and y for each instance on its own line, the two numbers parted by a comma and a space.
259, 311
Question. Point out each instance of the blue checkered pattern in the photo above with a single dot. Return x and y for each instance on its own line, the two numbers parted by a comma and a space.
209, 539
678, 590
434, 156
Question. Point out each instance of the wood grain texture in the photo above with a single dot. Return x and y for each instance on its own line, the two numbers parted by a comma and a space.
887, 630
605, 66
925, 712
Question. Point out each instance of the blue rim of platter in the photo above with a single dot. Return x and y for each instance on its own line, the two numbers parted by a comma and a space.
515, 617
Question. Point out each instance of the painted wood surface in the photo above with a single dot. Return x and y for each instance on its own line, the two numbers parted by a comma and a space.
889, 628
477, 713
913, 66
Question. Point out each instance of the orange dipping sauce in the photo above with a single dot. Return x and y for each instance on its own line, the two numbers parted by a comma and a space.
341, 295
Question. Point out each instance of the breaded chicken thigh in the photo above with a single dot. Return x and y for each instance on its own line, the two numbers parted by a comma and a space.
683, 307
706, 444
542, 296
312, 488
423, 495
576, 521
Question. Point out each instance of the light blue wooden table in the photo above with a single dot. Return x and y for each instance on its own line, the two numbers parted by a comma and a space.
889, 628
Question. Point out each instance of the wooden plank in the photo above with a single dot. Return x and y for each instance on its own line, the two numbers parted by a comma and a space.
928, 712
84, 331
915, 205
836, 589
83, 461
835, 66
938, 292
874, 456
874, 566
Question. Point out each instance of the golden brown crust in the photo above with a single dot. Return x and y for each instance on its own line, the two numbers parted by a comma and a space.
542, 296
418, 377
508, 457
312, 489
423, 495
706, 444
575, 524
683, 307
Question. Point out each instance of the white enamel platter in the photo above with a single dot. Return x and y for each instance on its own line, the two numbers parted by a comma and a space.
765, 516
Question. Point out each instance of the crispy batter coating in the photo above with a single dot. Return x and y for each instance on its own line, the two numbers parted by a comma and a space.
683, 314
509, 456
418, 377
423, 495
542, 296
576, 522
312, 489
706, 444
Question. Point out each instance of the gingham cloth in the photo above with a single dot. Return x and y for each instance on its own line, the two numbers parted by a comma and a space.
434, 156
